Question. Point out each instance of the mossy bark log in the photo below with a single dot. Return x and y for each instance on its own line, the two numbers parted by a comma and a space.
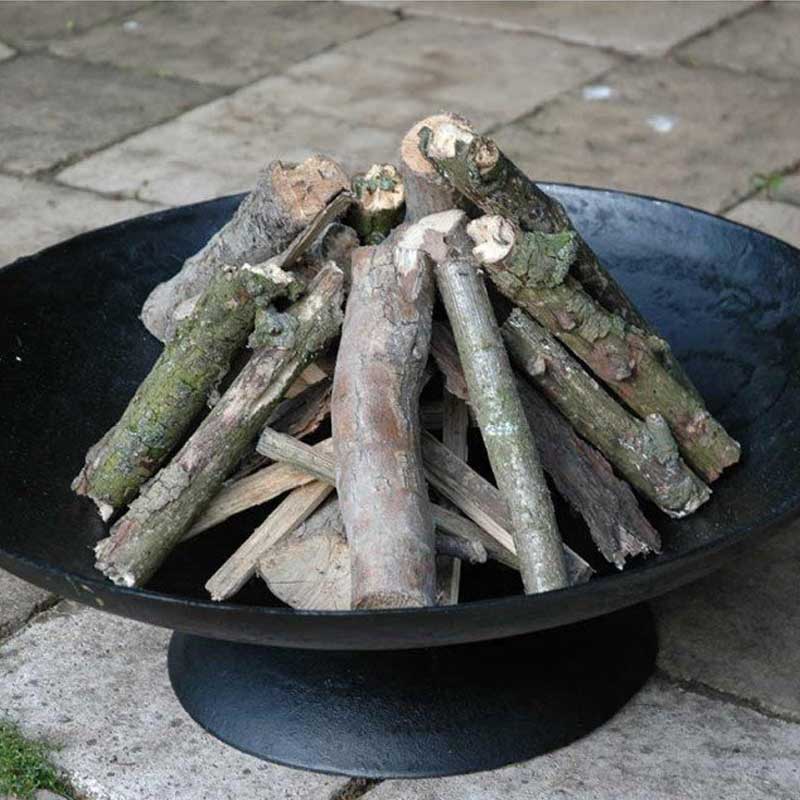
162, 514
580, 473
644, 452
493, 394
179, 385
375, 420
286, 198
532, 269
479, 169
379, 203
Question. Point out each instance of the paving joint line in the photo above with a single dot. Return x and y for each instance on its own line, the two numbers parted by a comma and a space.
38, 609
354, 789
753, 193
698, 687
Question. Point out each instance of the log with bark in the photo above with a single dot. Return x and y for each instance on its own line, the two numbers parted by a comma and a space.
286, 198
644, 451
379, 203
533, 270
581, 474
162, 514
189, 370
375, 419
498, 409
476, 167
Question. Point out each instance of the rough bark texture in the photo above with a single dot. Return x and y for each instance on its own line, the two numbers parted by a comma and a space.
254, 490
379, 203
485, 506
318, 463
179, 385
426, 191
643, 451
375, 418
310, 567
532, 270
581, 474
285, 199
159, 518
297, 507
501, 418
477, 168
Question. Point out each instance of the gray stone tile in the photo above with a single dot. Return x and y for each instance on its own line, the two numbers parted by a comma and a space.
396, 75
665, 745
779, 219
35, 215
692, 135
788, 190
767, 41
631, 27
222, 43
56, 109
96, 687
29, 24
5, 52
18, 600
737, 631
219, 149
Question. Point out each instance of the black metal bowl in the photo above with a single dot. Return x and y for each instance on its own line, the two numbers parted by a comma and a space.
72, 351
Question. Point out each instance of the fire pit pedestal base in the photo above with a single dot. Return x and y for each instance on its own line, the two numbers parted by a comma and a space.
415, 713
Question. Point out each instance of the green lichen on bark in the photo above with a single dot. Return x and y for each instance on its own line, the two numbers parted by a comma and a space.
178, 386
616, 351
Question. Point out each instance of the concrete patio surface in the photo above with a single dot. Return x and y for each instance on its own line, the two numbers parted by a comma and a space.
111, 110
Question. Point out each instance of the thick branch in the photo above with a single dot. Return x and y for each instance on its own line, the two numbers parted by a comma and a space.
476, 166
492, 388
580, 473
286, 198
532, 270
375, 420
159, 518
379, 203
644, 452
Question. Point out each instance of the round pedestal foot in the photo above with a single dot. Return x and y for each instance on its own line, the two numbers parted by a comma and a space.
415, 713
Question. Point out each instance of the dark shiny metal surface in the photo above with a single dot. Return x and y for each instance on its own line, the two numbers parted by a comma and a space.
72, 351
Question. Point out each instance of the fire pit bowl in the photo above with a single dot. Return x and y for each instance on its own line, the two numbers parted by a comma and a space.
396, 693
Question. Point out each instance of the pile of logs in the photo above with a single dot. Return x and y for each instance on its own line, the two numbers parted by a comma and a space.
380, 505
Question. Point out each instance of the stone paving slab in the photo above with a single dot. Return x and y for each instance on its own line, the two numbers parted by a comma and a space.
96, 687
222, 43
55, 109
667, 744
788, 190
35, 215
692, 135
220, 148
5, 52
737, 631
18, 600
766, 40
399, 74
641, 28
29, 24
779, 219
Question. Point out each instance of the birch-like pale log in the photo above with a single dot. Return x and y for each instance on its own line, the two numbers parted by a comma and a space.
493, 394
291, 512
644, 451
162, 514
379, 203
478, 169
581, 474
286, 198
532, 270
375, 421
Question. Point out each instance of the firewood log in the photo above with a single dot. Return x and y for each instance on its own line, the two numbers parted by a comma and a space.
286, 198
379, 203
532, 269
159, 518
